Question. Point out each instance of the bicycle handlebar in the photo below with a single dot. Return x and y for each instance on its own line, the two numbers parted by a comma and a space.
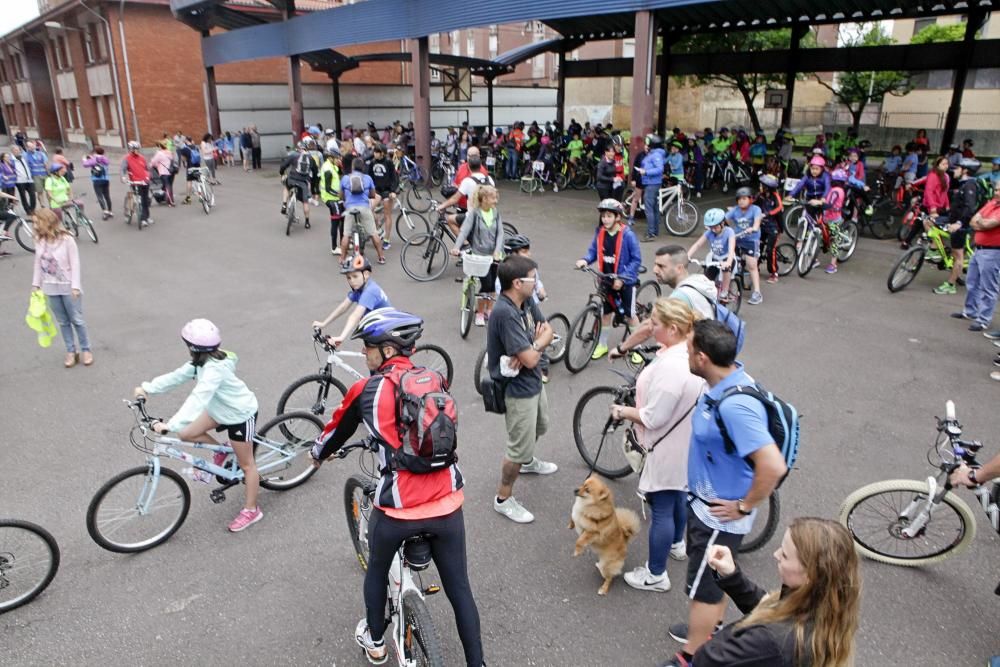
599, 274
367, 444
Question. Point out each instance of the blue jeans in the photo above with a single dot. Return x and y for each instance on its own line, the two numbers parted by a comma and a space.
69, 314
669, 511
651, 206
982, 284
513, 164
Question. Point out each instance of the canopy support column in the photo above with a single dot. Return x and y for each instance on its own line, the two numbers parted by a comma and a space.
974, 21
420, 49
489, 106
212, 97
336, 104
295, 96
643, 76
561, 91
664, 71
794, 58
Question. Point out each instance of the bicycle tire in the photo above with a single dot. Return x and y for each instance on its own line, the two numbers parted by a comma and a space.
560, 181
735, 294
906, 268
645, 298
844, 253
467, 309
807, 253
290, 216
358, 507
768, 525
418, 625
179, 494
851, 519
681, 218
295, 440
424, 257
128, 208
207, 198
319, 394
70, 223
509, 229
583, 339
435, 358
906, 223
792, 217
16, 562
437, 175
411, 224
556, 350
24, 234
595, 407
418, 197
786, 257
478, 369
89, 226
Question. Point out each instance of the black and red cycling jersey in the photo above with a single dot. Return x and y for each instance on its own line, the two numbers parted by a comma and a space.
372, 401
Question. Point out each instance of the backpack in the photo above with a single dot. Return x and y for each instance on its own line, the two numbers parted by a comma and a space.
427, 419
727, 317
782, 421
357, 184
172, 167
303, 164
98, 171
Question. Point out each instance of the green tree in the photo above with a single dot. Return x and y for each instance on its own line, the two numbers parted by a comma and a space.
749, 85
936, 32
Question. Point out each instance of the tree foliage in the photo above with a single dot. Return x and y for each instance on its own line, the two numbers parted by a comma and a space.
936, 32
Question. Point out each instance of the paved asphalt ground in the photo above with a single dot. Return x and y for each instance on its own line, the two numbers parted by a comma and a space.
868, 369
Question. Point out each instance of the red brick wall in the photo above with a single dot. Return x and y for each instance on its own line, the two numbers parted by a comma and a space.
275, 70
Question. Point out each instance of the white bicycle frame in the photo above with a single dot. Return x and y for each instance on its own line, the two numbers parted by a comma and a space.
334, 359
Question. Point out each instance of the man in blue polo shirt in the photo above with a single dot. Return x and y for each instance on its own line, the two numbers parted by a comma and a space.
726, 486
365, 295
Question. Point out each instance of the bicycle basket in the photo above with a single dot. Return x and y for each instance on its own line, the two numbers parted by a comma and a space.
476, 265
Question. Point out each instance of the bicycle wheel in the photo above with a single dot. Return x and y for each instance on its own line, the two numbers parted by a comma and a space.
807, 252
128, 209
437, 175
584, 335
312, 394
418, 197
792, 217
435, 358
207, 198
560, 180
681, 218
883, 222
358, 507
876, 515
786, 256
24, 233
29, 558
645, 298
134, 511
906, 268
560, 328
290, 216
479, 369
88, 225
424, 257
420, 644
906, 223
410, 224
598, 438
291, 435
735, 294
509, 229
765, 524
847, 244
70, 223
467, 309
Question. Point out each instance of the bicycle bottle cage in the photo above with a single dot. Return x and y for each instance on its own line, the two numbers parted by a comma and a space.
417, 552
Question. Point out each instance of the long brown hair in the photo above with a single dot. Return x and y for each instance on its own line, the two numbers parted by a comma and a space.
829, 598
46, 225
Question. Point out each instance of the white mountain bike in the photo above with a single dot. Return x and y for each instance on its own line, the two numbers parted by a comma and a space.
679, 215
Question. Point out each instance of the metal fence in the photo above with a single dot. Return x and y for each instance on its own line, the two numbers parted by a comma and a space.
833, 119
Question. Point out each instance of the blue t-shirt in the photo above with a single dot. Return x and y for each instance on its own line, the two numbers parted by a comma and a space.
713, 473
910, 163
371, 296
719, 243
351, 199
892, 163
676, 163
743, 220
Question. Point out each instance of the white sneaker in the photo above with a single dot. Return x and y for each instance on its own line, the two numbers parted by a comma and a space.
678, 550
642, 579
539, 467
513, 510
376, 653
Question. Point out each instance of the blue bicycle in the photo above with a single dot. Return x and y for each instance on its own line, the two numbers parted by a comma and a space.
143, 507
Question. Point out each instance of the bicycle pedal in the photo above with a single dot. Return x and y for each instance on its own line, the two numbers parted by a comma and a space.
432, 589
217, 496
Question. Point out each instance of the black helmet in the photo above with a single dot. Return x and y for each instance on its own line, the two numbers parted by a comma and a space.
969, 164
448, 190
356, 263
654, 140
515, 243
744, 192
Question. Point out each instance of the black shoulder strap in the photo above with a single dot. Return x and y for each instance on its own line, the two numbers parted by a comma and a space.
676, 424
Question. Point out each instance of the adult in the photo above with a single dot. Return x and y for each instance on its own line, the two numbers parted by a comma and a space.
967, 151
666, 393
407, 504
191, 159
57, 274
330, 194
98, 164
8, 175
255, 146
514, 335
135, 170
469, 176
59, 158
162, 162
982, 282
246, 148
359, 191
23, 181
207, 151
651, 172
635, 183
299, 170
726, 483
38, 162
811, 620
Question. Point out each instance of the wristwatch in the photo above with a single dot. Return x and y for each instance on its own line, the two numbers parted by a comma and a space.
972, 476
742, 510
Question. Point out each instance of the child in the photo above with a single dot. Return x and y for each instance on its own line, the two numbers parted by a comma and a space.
483, 229
758, 151
675, 161
618, 249
364, 293
746, 218
219, 401
769, 201
721, 241
891, 166
833, 205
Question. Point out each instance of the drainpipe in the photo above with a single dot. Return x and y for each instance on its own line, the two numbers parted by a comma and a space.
128, 72
114, 73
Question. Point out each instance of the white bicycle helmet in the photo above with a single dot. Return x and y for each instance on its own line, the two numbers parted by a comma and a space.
201, 335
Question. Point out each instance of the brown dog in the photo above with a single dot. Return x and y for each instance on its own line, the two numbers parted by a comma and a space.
603, 527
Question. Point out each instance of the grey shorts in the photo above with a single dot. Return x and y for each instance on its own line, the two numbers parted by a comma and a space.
364, 217
527, 420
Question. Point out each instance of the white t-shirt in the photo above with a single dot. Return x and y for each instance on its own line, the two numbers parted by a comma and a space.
359, 146
469, 184
332, 144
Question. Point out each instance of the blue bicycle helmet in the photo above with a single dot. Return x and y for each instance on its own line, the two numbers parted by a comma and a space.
388, 326
713, 217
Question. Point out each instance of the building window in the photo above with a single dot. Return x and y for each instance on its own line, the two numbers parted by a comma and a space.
494, 41
109, 112
628, 48
89, 47
539, 31
17, 65
3, 73
538, 66
456, 46
470, 43
79, 114
938, 79
64, 52
99, 104
985, 78
11, 114
920, 24
28, 115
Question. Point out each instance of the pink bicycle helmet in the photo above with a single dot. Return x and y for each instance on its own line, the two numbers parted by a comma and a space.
545, 140
201, 336
817, 161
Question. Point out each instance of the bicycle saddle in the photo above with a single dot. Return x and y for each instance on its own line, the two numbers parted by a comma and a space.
417, 551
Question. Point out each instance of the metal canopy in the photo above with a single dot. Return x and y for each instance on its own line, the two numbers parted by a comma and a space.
477, 66
529, 51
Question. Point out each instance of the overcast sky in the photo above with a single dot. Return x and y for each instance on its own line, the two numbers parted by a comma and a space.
15, 13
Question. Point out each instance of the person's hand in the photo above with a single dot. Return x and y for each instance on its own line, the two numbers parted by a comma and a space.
316, 463
514, 363
868, 189
543, 334
455, 252
616, 411
954, 227
641, 170
720, 559
335, 340
76, 293
726, 510
159, 427
617, 284
613, 353
139, 392
726, 264
960, 477
317, 324
580, 263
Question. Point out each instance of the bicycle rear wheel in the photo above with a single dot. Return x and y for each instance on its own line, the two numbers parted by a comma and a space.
424, 257
207, 198
681, 218
421, 643
88, 225
599, 439
290, 217
479, 370
135, 511
24, 233
645, 298
906, 268
735, 294
70, 223
786, 256
411, 224
556, 350
358, 508
467, 309
584, 334
848, 243
876, 515
29, 559
435, 358
286, 463
765, 524
128, 208
418, 197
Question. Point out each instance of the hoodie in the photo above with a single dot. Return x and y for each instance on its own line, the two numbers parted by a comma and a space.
653, 165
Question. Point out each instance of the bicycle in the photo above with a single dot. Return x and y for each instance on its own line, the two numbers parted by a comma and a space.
291, 209
810, 237
910, 522
312, 392
584, 332
555, 352
408, 223
442, 169
203, 188
29, 559
133, 203
23, 231
600, 440
474, 267
912, 260
734, 173
415, 639
74, 218
679, 215
732, 298
143, 507
425, 255
418, 195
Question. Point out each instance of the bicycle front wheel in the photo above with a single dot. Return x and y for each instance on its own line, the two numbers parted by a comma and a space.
283, 462
682, 218
479, 370
599, 439
584, 334
421, 644
467, 309
792, 216
765, 524
24, 232
735, 295
312, 394
358, 507
786, 256
136, 510
129, 209
411, 224
207, 198
29, 558
556, 350
434, 358
645, 298
906, 268
848, 243
418, 197
424, 257
877, 514
290, 217
807, 253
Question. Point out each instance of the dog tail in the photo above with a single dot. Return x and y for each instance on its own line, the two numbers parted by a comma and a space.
628, 520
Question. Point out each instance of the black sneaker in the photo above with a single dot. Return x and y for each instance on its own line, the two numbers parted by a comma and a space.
679, 631
284, 209
977, 327
996, 361
960, 316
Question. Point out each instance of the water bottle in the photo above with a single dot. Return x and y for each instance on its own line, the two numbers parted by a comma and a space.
198, 475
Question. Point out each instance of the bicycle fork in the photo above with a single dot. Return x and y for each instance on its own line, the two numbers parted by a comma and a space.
918, 513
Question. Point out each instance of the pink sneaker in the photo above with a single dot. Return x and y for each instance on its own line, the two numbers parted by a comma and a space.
245, 519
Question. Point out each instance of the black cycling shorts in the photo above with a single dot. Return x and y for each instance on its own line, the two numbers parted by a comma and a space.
242, 432
958, 238
301, 189
627, 295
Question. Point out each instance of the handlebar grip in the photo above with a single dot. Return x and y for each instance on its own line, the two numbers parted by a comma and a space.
949, 410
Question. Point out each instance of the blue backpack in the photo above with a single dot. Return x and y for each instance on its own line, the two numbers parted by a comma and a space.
782, 421
727, 317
